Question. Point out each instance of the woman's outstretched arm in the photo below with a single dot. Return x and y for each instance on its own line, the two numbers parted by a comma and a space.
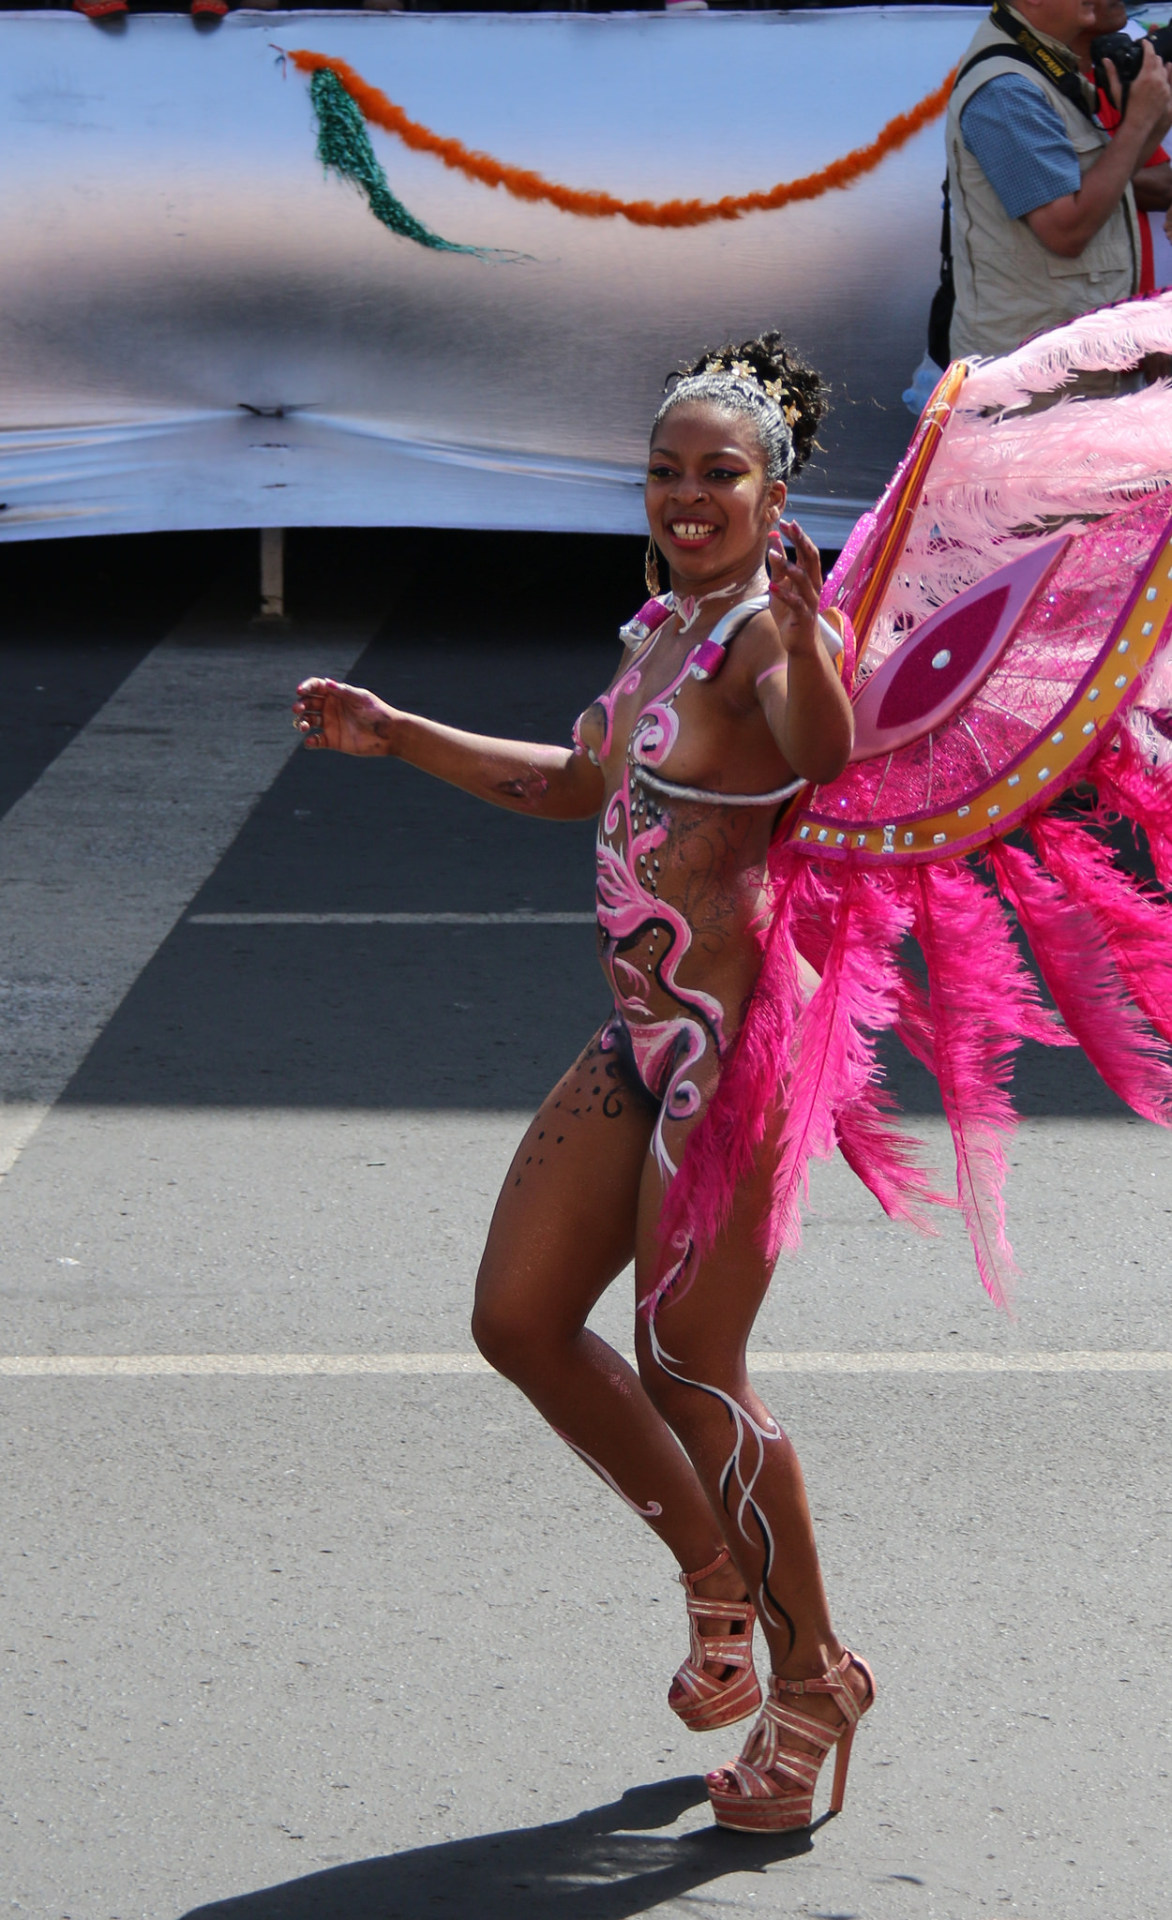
554, 783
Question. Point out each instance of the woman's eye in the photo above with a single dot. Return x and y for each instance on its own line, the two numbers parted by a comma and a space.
660, 473
725, 473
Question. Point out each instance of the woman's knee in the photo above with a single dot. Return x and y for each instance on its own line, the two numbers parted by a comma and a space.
689, 1387
514, 1334
502, 1335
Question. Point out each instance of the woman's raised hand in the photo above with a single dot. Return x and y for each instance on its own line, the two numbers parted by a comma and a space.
327, 713
794, 588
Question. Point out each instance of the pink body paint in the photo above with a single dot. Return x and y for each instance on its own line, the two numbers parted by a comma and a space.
630, 915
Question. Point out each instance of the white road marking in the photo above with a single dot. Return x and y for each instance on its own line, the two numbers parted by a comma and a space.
522, 917
104, 853
151, 1365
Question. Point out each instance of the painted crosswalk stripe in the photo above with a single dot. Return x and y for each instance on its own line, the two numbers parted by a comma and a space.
248, 1365
521, 917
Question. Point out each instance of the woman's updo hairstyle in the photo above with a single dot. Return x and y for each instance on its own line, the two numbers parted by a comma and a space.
763, 381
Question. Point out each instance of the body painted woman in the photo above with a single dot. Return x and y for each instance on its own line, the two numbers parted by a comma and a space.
684, 774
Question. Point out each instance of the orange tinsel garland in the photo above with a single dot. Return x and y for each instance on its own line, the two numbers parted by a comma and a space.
525, 185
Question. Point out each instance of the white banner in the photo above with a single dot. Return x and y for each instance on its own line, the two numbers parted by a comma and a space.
201, 327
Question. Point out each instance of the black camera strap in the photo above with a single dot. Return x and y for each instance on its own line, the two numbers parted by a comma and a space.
1033, 52
1028, 51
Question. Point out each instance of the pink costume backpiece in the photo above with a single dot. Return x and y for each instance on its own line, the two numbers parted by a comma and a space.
1072, 687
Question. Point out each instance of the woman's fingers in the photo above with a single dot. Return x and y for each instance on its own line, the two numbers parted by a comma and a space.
314, 696
330, 713
807, 553
805, 558
804, 549
795, 585
791, 584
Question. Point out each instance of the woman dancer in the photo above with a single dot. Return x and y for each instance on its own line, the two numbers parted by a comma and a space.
728, 700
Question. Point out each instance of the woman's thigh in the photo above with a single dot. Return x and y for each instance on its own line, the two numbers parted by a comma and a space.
708, 1313
565, 1222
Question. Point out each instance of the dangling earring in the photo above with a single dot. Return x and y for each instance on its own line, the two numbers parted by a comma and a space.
651, 568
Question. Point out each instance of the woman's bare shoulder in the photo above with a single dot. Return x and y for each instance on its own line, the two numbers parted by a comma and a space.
756, 647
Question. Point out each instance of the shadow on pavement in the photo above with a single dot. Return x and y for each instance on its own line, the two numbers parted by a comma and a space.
605, 1864
428, 1015
76, 617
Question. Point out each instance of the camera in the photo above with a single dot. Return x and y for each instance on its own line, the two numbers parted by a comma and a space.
1127, 56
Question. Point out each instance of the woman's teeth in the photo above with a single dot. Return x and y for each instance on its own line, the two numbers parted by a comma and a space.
691, 529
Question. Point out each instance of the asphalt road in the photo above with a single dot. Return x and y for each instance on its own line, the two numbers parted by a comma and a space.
304, 1613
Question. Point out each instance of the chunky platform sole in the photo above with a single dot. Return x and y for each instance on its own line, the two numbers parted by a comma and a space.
703, 1701
770, 1789
736, 1700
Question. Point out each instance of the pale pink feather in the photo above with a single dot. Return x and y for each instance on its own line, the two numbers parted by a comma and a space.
1077, 966
1155, 688
1001, 482
1113, 339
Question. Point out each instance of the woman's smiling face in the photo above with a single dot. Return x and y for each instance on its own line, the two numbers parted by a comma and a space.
709, 505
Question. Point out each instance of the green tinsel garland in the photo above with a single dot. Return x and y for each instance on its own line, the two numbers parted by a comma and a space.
344, 144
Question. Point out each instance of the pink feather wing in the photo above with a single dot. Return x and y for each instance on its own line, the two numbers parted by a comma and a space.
1077, 965
1033, 726
977, 1015
1136, 925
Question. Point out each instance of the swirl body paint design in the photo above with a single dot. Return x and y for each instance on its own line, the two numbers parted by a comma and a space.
634, 920
739, 1477
651, 1511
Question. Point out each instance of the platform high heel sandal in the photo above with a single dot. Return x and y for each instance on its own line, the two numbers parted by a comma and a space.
770, 1789
705, 1700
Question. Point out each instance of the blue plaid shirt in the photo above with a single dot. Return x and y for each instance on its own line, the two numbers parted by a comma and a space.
1019, 142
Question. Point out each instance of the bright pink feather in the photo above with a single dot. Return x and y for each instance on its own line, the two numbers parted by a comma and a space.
882, 1157
976, 1009
834, 1067
885, 1160
1143, 794
1136, 925
1078, 968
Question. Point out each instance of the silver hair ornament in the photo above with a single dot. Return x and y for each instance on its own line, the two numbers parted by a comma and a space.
737, 395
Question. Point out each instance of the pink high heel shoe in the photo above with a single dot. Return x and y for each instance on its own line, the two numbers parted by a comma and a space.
704, 1700
770, 1789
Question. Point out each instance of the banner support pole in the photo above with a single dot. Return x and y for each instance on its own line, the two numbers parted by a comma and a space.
272, 577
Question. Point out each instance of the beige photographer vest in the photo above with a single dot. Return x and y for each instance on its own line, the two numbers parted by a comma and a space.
1008, 285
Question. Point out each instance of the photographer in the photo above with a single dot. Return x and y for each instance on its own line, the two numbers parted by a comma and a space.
1042, 210
1152, 185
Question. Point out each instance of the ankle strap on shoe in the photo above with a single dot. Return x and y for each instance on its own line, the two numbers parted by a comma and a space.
722, 1559
833, 1681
